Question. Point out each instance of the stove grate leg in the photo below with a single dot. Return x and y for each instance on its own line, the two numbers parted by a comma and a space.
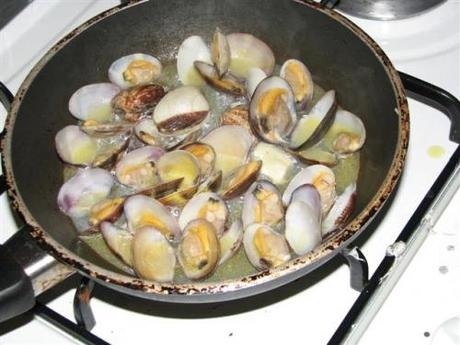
81, 304
359, 269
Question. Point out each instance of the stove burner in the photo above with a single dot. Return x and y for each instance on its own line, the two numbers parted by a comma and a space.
382, 9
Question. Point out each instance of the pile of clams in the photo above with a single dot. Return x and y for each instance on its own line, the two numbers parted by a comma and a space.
180, 166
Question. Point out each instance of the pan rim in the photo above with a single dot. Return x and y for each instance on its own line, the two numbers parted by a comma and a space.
243, 285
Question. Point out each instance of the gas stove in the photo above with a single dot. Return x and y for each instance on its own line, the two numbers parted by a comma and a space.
312, 308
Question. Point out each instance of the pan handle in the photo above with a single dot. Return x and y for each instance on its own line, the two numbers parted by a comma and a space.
437, 98
26, 269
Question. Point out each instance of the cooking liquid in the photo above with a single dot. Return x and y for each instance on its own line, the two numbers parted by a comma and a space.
346, 172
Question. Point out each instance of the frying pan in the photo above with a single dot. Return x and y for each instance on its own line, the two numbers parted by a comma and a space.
340, 55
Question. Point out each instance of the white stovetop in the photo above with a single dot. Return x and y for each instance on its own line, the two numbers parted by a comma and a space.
427, 295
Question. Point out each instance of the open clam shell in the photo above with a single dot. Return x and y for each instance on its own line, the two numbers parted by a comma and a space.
211, 183
181, 110
204, 154
83, 191
146, 131
134, 69
119, 241
231, 241
137, 168
93, 102
255, 76
220, 52
317, 155
299, 78
320, 176
264, 247
141, 211
262, 204
312, 127
192, 49
106, 210
105, 129
272, 112
247, 51
153, 255
349, 132
75, 146
179, 164
208, 206
237, 182
237, 115
342, 209
277, 163
199, 249
226, 83
229, 157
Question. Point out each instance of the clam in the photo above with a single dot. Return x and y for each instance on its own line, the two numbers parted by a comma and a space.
309, 195
246, 52
153, 255
264, 247
163, 188
198, 250
181, 110
237, 115
106, 210
312, 127
341, 210
136, 101
349, 132
208, 206
179, 164
137, 169
134, 69
110, 151
229, 157
277, 163
119, 241
317, 155
272, 112
262, 204
75, 146
192, 49
230, 241
303, 227
211, 182
105, 129
227, 83
299, 78
83, 191
238, 181
141, 211
93, 102
180, 197
220, 52
255, 76
321, 177
204, 154
146, 131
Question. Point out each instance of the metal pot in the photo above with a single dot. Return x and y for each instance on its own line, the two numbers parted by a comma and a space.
341, 56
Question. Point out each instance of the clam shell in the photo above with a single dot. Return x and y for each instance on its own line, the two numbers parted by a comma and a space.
106, 210
141, 211
134, 69
299, 78
220, 52
312, 127
198, 250
264, 247
227, 83
146, 132
231, 241
255, 76
93, 102
229, 157
102, 130
137, 168
350, 133
192, 49
262, 204
204, 154
211, 183
180, 197
83, 191
75, 146
153, 256
272, 112
237, 182
277, 163
237, 115
317, 155
208, 206
342, 209
119, 241
309, 195
247, 51
179, 164
321, 177
182, 109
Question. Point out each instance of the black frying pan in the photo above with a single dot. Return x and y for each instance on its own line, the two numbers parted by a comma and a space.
339, 54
